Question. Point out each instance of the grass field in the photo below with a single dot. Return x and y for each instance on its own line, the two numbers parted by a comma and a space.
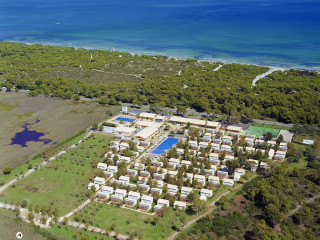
130, 222
260, 131
67, 232
59, 119
266, 125
10, 225
62, 183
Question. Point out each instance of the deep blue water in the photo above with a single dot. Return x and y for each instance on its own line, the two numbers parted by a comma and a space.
266, 32
25, 136
125, 119
165, 145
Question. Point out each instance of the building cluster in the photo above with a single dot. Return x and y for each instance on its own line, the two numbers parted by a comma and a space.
190, 170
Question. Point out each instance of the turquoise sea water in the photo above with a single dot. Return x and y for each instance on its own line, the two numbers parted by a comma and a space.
266, 32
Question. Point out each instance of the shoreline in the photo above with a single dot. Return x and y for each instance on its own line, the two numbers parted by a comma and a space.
159, 54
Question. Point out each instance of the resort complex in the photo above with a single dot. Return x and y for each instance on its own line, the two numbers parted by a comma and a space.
156, 159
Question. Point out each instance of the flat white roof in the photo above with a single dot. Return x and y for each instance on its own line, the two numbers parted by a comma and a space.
132, 193
180, 204
186, 189
100, 164
146, 132
194, 121
124, 178
113, 167
123, 129
149, 124
234, 128
214, 178
227, 180
159, 117
107, 189
174, 160
171, 186
147, 115
240, 170
100, 179
121, 191
185, 162
170, 172
206, 191
281, 152
163, 201
197, 176
147, 198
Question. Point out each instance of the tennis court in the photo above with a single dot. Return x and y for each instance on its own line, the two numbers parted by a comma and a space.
165, 145
260, 131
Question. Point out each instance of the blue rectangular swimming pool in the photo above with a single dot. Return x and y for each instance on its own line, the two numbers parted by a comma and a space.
165, 145
125, 119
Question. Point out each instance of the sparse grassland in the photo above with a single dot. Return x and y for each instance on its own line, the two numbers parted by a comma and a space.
67, 232
10, 225
266, 125
59, 119
63, 182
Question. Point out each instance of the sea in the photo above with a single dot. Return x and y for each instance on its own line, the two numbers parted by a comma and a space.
282, 33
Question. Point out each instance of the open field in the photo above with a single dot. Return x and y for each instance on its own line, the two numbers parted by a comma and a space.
67, 232
260, 131
59, 119
266, 125
131, 222
10, 225
63, 182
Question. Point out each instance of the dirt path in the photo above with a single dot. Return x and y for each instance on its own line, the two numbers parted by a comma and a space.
98, 230
206, 213
308, 200
271, 70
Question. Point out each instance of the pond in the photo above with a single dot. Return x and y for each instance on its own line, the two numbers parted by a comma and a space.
25, 136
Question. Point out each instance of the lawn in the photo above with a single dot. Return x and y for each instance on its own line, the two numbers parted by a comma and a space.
63, 182
130, 222
59, 120
68, 232
260, 131
266, 125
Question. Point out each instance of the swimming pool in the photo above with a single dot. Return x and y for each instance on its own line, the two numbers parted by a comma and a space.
125, 119
165, 145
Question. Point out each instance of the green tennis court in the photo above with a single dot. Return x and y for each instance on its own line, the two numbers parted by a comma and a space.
260, 131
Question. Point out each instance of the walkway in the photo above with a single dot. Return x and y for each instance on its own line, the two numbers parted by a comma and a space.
308, 200
217, 68
75, 210
271, 70
98, 230
210, 209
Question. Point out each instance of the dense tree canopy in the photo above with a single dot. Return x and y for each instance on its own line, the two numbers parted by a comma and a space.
290, 96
